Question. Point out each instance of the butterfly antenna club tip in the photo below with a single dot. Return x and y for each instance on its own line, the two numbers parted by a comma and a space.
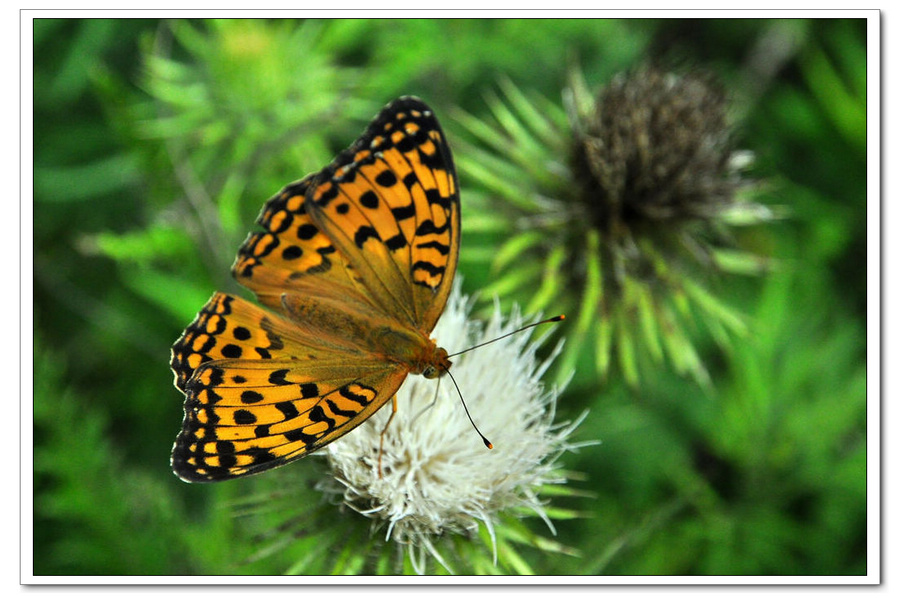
486, 441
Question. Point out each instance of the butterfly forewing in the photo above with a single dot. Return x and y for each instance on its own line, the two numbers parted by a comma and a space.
390, 203
292, 253
360, 254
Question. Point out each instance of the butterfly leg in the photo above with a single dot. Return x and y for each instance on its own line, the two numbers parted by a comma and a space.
437, 387
383, 431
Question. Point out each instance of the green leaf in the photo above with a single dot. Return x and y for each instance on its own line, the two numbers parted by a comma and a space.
846, 112
715, 308
626, 350
603, 344
646, 310
156, 242
501, 187
76, 184
537, 119
179, 297
593, 287
550, 281
514, 278
516, 246
741, 262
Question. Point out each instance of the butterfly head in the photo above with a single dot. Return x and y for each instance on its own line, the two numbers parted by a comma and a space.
436, 365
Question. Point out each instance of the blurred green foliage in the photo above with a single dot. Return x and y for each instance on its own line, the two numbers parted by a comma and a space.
156, 143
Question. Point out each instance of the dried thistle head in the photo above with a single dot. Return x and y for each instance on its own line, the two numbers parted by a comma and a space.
618, 205
655, 147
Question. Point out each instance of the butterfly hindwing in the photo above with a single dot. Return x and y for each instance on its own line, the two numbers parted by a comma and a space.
258, 399
227, 327
243, 417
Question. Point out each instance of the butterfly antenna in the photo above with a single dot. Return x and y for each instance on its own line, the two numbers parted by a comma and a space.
461, 399
452, 378
540, 322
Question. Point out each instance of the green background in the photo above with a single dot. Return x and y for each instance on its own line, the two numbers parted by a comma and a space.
156, 143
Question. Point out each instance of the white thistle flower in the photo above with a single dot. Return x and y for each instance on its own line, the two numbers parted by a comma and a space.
437, 475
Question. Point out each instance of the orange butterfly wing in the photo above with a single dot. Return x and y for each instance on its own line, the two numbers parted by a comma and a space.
355, 266
390, 203
260, 398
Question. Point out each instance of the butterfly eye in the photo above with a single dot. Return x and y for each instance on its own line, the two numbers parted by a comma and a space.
430, 372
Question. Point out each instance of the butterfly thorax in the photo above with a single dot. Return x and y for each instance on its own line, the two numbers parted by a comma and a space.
413, 349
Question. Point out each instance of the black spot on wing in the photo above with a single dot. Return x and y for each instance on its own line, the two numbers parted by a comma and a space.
427, 227
396, 242
231, 351
244, 417
278, 377
363, 234
386, 178
441, 248
306, 231
369, 200
288, 409
404, 212
318, 415
251, 397
336, 410
360, 399
428, 267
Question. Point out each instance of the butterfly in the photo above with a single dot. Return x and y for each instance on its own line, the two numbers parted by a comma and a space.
352, 270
